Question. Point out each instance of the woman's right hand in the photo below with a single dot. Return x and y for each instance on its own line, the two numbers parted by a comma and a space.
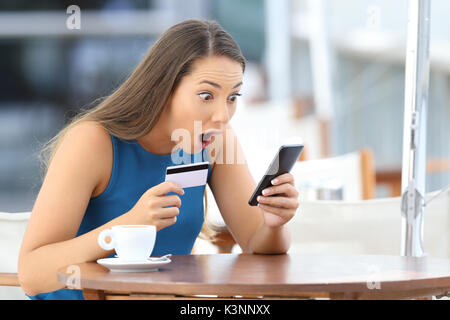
156, 208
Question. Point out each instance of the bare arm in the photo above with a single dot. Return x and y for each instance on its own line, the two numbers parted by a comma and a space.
78, 167
49, 241
255, 229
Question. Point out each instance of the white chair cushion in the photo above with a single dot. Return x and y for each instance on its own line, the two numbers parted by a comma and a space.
366, 227
342, 171
12, 229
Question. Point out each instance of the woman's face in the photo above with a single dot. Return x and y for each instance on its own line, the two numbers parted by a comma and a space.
205, 100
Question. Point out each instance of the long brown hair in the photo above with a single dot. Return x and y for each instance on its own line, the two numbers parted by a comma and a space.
134, 108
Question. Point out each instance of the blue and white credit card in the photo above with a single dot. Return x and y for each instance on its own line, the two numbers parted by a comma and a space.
188, 175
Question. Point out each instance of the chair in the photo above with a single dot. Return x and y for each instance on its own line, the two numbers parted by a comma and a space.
12, 229
392, 176
352, 173
367, 227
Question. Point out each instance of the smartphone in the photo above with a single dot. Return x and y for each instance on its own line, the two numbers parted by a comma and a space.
283, 162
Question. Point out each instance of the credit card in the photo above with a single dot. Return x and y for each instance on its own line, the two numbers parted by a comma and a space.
188, 175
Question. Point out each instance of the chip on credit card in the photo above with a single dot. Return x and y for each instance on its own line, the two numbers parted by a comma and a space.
188, 175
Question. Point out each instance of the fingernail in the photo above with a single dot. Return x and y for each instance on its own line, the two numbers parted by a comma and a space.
274, 181
258, 198
265, 191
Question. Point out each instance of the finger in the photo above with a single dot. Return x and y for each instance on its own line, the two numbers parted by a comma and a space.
285, 188
284, 178
166, 187
285, 214
163, 223
166, 213
164, 201
278, 201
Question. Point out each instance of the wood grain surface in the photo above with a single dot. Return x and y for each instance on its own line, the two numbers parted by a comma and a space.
288, 275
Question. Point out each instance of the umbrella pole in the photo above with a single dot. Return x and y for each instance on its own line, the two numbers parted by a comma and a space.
414, 127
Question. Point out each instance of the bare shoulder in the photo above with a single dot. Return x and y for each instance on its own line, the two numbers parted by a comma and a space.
90, 138
75, 172
89, 131
89, 144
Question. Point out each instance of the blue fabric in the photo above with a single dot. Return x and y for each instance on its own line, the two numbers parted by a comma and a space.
135, 170
63, 294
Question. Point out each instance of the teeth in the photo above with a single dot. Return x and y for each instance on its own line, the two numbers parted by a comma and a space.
208, 135
205, 137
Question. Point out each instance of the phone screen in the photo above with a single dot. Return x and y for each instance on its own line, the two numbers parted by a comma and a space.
282, 163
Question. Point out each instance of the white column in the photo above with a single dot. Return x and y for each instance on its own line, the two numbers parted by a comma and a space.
414, 127
278, 48
321, 62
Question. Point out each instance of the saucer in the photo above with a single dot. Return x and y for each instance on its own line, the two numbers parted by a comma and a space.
119, 265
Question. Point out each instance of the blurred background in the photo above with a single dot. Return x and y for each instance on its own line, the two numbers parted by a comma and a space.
329, 74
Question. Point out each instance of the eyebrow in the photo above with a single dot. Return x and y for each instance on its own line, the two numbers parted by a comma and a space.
218, 85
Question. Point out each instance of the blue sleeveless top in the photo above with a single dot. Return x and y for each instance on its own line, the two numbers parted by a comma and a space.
135, 170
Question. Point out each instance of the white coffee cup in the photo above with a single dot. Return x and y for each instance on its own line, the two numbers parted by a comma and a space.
131, 242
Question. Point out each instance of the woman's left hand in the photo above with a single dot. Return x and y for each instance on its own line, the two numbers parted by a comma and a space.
279, 202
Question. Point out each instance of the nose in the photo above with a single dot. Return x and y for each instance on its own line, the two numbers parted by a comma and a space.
221, 114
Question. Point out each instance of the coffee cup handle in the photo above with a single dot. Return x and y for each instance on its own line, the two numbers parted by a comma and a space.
102, 240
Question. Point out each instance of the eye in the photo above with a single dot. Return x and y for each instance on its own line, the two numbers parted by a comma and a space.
233, 97
206, 96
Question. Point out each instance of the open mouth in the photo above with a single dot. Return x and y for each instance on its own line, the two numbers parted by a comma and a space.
206, 138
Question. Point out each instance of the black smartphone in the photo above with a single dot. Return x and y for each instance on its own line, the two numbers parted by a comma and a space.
283, 162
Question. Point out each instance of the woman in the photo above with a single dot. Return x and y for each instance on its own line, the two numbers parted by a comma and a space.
107, 166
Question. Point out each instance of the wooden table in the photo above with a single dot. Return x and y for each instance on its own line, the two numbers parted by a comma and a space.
271, 276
